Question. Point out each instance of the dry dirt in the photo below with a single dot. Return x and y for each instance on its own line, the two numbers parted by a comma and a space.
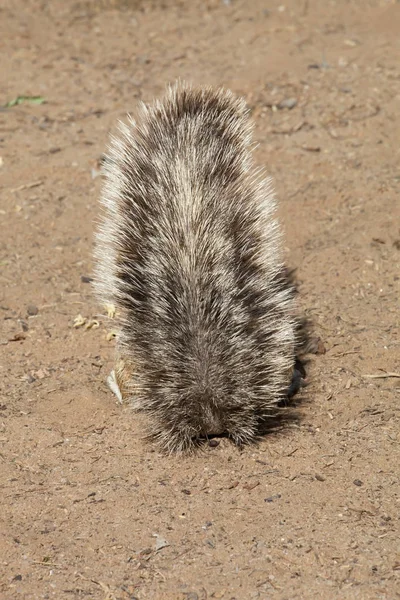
87, 507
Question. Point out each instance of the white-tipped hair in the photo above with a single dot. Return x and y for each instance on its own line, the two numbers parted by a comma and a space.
189, 251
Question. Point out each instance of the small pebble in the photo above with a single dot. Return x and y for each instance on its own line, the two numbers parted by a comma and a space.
319, 477
233, 485
251, 486
272, 498
32, 310
287, 103
86, 279
18, 337
358, 482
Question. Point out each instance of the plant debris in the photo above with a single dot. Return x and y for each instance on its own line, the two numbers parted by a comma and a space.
21, 99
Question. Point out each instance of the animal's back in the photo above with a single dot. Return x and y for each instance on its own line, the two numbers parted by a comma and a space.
189, 253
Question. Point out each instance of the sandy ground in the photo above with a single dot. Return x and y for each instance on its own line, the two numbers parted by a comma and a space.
88, 509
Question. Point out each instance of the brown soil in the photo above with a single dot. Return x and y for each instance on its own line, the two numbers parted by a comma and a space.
310, 512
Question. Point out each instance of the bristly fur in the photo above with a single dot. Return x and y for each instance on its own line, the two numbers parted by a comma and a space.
189, 252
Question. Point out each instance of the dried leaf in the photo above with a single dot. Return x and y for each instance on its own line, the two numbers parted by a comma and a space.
79, 321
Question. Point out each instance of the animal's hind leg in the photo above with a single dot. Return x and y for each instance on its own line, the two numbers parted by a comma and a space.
299, 374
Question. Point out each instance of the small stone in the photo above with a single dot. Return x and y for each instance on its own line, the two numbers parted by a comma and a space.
160, 542
233, 485
86, 279
251, 486
32, 310
272, 498
287, 103
18, 337
213, 443
358, 482
319, 477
